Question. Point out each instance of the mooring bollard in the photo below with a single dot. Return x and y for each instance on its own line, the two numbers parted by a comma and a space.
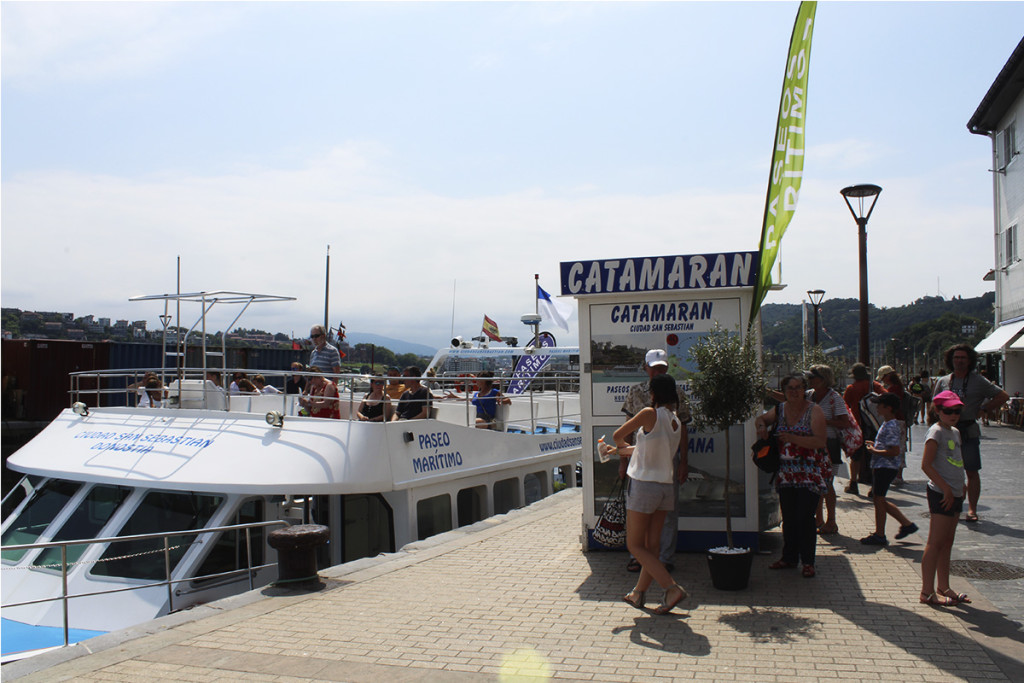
296, 551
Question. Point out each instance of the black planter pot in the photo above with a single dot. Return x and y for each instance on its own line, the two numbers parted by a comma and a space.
730, 571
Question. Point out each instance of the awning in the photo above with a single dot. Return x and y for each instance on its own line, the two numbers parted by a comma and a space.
1000, 337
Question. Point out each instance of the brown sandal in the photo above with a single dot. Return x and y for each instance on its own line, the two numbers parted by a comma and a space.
781, 564
666, 606
638, 601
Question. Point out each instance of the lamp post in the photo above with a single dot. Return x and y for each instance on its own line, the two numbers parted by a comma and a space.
862, 193
816, 295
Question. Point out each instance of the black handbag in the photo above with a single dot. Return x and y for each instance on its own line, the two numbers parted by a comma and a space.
765, 452
610, 530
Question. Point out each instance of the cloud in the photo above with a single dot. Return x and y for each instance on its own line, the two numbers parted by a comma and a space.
91, 42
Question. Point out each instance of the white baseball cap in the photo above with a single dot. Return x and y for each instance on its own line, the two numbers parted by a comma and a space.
656, 357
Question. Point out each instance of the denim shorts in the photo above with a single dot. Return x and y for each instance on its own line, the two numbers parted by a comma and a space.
935, 504
649, 496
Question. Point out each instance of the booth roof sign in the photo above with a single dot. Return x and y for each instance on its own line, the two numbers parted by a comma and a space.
659, 273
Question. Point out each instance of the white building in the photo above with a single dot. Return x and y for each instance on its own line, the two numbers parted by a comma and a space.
999, 116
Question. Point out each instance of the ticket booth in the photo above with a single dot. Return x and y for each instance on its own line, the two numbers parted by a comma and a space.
630, 305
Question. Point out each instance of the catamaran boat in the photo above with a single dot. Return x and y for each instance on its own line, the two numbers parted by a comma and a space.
128, 513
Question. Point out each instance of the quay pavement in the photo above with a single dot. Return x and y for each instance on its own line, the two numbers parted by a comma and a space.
515, 598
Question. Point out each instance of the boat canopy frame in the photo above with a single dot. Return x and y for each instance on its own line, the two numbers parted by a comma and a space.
207, 300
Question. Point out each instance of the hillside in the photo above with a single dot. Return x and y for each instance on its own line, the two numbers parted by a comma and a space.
926, 326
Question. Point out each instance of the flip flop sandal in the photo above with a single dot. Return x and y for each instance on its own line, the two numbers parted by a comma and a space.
937, 600
971, 517
959, 597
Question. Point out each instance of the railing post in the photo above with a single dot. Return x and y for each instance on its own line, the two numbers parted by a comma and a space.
248, 555
64, 586
167, 574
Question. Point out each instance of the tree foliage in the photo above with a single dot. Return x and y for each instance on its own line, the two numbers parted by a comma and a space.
729, 385
942, 322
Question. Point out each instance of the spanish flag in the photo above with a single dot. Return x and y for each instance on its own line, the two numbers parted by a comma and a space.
490, 328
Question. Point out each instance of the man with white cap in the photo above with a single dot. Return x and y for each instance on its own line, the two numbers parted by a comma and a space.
638, 398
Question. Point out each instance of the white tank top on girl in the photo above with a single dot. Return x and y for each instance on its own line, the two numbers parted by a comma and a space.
652, 459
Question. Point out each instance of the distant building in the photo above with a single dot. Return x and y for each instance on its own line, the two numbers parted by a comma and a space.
997, 117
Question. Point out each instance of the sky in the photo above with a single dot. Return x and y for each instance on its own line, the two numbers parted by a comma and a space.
447, 152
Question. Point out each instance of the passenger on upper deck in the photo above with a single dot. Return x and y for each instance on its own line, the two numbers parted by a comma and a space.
395, 387
376, 405
487, 399
153, 395
234, 389
323, 355
297, 383
246, 386
415, 402
142, 388
321, 398
261, 385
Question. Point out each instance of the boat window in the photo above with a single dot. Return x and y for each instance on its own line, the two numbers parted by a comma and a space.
20, 492
159, 512
91, 515
434, 515
506, 496
367, 526
472, 505
562, 477
534, 486
229, 551
45, 504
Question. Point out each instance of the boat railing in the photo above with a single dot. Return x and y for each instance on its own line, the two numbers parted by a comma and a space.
552, 398
168, 582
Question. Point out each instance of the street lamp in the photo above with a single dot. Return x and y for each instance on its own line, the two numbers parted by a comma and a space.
816, 295
862, 193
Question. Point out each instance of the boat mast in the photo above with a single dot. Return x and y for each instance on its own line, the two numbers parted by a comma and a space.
180, 355
327, 292
454, 283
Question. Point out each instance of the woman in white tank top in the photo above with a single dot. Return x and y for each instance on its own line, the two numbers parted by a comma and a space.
650, 494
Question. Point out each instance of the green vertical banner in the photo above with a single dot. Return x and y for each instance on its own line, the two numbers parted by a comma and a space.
787, 167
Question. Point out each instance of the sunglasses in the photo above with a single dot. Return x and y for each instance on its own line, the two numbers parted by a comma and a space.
315, 336
951, 411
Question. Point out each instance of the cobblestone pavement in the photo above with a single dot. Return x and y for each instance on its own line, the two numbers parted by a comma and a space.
514, 598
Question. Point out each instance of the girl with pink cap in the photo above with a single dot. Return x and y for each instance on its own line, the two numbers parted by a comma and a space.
944, 464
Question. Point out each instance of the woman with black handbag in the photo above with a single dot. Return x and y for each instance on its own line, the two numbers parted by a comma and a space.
804, 468
651, 470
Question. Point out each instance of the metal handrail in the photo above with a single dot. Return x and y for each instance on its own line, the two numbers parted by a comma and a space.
168, 582
348, 392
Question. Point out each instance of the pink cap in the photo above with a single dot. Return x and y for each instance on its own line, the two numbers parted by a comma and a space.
947, 399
